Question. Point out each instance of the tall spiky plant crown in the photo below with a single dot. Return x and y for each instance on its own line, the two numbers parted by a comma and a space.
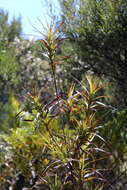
50, 44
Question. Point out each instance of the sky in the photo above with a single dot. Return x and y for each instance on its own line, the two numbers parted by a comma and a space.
31, 11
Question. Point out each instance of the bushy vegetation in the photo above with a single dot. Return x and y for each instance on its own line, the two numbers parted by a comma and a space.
62, 122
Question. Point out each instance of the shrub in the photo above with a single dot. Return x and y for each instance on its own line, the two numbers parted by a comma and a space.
57, 144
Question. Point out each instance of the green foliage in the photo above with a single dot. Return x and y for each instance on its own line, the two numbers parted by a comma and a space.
97, 31
8, 30
8, 69
8, 114
8, 65
114, 131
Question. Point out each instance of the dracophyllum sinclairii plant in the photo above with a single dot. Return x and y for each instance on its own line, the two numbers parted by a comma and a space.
57, 143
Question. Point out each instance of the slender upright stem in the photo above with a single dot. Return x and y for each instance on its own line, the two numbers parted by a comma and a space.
54, 80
